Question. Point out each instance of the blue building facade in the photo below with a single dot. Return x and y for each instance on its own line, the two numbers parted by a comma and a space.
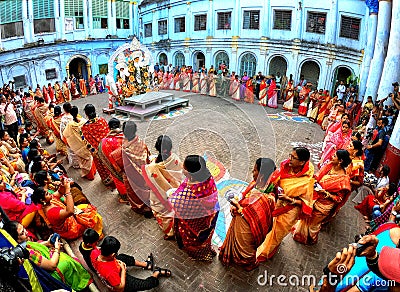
45, 41
323, 40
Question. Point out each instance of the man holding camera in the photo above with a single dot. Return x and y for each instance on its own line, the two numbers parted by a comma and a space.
374, 151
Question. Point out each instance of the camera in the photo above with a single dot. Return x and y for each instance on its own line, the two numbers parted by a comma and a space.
9, 263
54, 237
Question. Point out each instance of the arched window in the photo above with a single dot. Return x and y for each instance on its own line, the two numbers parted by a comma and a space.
162, 59
248, 63
221, 58
179, 59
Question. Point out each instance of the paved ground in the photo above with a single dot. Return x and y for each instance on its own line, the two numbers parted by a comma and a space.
237, 134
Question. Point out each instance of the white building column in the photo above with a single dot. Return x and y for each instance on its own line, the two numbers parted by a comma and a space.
112, 18
85, 17
392, 153
62, 19
391, 67
30, 28
90, 18
382, 38
332, 23
368, 51
298, 16
210, 19
236, 15
25, 22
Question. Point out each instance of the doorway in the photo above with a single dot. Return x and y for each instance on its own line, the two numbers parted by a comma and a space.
77, 67
199, 61
310, 70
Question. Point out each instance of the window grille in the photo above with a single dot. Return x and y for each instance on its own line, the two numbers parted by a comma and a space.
350, 27
224, 20
162, 27
316, 22
180, 24
251, 19
148, 30
200, 22
283, 19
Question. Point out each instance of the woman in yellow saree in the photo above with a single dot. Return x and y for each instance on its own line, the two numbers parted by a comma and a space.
331, 193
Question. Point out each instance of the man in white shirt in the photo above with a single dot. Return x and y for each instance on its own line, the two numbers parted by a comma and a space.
340, 90
10, 118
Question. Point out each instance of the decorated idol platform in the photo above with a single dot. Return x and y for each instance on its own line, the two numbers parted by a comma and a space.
132, 90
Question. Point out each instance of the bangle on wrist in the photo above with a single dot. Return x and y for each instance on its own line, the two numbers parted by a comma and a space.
66, 194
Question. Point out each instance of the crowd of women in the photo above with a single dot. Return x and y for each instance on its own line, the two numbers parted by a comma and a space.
38, 195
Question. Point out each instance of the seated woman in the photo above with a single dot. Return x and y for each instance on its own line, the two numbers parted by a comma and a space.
161, 175
48, 256
14, 203
10, 153
333, 190
70, 223
44, 179
382, 199
252, 219
196, 207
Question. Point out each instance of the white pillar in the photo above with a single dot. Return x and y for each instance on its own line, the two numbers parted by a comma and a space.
90, 18
235, 19
332, 23
368, 51
85, 17
210, 18
62, 20
57, 22
382, 38
392, 153
112, 19
28, 24
391, 67
298, 15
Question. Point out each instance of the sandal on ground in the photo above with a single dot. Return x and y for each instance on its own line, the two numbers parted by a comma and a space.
169, 237
163, 272
123, 199
150, 262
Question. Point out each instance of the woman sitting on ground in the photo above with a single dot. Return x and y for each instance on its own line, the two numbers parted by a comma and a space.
49, 257
333, 191
161, 175
61, 216
196, 207
252, 218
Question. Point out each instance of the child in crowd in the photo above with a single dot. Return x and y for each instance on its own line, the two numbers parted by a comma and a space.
113, 271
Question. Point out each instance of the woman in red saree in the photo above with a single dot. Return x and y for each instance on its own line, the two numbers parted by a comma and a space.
195, 203
252, 218
249, 94
339, 140
272, 94
323, 109
92, 132
330, 195
263, 92
110, 154
62, 218
92, 85
303, 99
356, 171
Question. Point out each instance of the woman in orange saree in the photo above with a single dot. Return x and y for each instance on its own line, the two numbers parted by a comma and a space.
331, 193
66, 94
249, 94
252, 218
294, 183
288, 105
323, 109
82, 86
62, 218
196, 208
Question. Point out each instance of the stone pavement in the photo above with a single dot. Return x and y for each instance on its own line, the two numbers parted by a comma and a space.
236, 133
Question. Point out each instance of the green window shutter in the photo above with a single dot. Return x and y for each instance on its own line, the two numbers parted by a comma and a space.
43, 9
122, 9
73, 8
10, 11
99, 8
